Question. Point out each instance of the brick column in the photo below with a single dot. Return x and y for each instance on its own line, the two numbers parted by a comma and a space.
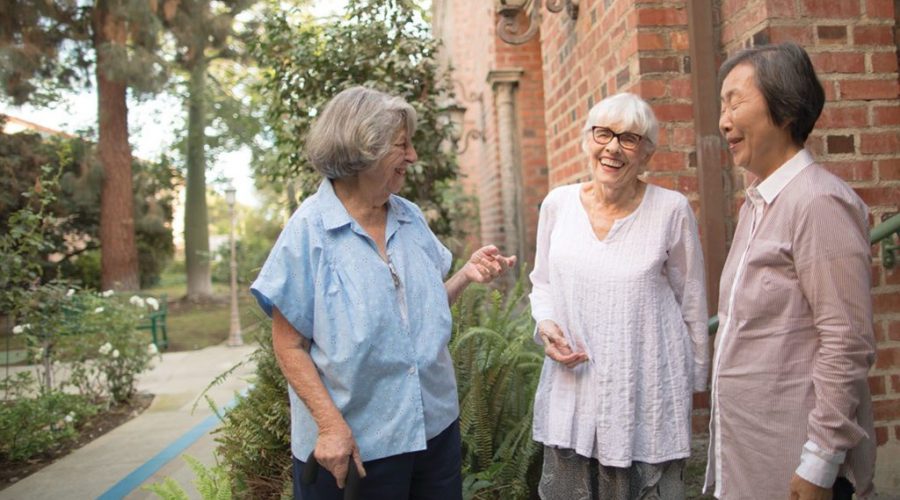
504, 83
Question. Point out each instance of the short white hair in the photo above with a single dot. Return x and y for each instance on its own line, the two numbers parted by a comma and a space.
626, 110
356, 130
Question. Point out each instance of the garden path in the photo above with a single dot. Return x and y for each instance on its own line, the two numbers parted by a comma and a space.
148, 448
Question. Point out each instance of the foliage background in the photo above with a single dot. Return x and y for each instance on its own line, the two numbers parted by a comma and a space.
73, 217
382, 44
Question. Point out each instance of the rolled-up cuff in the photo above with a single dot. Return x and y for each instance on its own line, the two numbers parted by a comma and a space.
819, 466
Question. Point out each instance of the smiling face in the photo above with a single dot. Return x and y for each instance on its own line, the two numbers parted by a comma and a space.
386, 177
612, 165
755, 142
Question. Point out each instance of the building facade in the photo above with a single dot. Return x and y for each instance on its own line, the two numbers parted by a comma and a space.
525, 104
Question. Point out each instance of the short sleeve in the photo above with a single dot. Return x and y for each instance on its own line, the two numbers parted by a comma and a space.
440, 255
287, 279
445, 258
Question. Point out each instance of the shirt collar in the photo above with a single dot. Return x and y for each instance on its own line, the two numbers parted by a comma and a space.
335, 215
769, 188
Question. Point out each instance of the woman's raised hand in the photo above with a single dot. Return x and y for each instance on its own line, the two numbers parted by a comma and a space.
556, 347
486, 263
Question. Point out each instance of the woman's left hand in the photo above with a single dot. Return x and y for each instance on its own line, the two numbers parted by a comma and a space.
486, 263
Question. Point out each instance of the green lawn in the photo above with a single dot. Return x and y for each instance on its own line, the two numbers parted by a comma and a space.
195, 326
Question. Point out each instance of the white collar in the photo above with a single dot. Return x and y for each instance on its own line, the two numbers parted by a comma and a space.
783, 175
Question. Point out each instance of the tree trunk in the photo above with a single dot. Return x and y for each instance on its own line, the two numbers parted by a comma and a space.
118, 252
196, 223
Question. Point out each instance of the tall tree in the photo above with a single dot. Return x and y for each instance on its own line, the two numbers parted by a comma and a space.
205, 32
54, 44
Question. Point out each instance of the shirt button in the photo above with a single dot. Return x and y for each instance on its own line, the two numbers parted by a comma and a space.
412, 370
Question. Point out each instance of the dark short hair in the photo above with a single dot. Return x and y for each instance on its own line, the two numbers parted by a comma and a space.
788, 81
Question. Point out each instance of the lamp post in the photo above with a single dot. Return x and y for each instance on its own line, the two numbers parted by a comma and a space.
234, 332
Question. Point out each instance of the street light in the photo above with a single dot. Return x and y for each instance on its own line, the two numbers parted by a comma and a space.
234, 332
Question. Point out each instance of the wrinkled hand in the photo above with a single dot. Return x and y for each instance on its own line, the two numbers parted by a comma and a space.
334, 446
801, 489
556, 347
486, 264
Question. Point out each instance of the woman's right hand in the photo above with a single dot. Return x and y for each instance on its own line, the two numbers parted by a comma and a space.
334, 446
556, 347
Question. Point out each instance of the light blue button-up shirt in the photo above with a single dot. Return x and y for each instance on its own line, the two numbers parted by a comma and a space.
379, 344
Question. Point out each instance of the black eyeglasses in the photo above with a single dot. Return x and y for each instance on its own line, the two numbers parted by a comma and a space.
603, 136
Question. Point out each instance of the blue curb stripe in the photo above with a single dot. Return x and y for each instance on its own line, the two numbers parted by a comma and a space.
137, 477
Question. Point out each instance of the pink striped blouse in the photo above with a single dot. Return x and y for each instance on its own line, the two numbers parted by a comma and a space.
795, 341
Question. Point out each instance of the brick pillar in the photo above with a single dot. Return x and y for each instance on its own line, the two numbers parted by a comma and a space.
504, 83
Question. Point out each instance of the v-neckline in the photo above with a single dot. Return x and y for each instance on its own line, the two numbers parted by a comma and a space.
617, 223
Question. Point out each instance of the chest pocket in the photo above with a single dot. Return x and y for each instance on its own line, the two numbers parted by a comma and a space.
771, 285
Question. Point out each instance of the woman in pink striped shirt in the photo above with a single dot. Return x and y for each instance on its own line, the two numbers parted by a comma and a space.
791, 411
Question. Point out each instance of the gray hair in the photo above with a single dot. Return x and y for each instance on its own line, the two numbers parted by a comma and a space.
627, 110
355, 130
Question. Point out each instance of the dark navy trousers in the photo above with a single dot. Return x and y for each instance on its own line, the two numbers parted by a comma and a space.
433, 473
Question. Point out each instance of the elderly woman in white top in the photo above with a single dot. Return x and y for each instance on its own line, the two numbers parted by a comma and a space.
620, 304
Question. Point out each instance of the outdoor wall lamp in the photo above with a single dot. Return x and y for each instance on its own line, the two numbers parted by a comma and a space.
508, 27
457, 114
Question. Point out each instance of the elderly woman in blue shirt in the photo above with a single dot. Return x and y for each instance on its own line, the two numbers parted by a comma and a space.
361, 314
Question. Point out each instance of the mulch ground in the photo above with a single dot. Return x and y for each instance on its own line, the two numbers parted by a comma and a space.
94, 427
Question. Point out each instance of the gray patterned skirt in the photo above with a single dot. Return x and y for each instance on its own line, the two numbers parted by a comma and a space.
569, 476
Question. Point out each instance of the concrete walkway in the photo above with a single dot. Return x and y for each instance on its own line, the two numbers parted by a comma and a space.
115, 464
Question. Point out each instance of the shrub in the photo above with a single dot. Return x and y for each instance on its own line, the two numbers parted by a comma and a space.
498, 366
33, 425
212, 483
255, 438
95, 334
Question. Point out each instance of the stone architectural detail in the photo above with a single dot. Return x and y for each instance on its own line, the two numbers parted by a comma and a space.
504, 83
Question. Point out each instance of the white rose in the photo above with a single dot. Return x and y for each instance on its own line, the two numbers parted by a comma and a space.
70, 418
136, 301
98, 310
105, 348
115, 354
71, 292
107, 293
152, 350
152, 302
18, 329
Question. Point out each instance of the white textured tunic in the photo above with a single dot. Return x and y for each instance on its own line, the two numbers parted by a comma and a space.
636, 302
